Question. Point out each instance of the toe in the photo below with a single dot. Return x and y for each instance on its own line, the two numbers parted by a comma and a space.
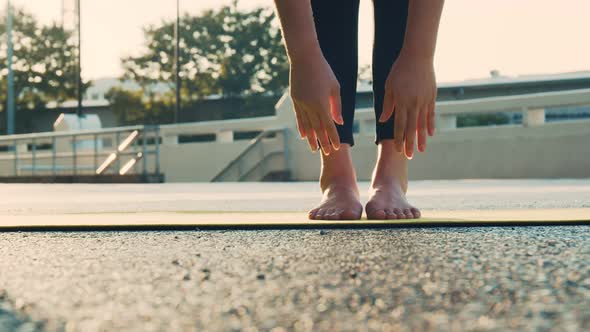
398, 214
351, 214
331, 214
416, 213
320, 214
408, 214
373, 213
312, 213
390, 214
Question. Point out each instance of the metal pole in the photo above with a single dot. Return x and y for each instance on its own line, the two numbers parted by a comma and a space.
74, 155
95, 152
10, 89
63, 12
15, 158
79, 60
157, 142
53, 151
34, 153
177, 61
144, 150
119, 153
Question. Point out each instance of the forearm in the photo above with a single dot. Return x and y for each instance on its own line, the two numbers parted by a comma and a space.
298, 28
422, 28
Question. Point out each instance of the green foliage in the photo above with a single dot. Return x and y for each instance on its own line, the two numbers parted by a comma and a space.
44, 62
236, 54
471, 120
135, 107
226, 51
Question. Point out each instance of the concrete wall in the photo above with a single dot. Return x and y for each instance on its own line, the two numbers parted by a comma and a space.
555, 150
535, 150
550, 150
197, 161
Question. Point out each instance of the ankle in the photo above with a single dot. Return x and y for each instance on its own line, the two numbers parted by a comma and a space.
391, 168
387, 182
338, 170
338, 180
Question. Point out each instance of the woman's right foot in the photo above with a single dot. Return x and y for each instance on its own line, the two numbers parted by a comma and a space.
387, 198
340, 195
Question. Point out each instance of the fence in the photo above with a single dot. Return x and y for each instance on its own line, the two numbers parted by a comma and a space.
123, 151
204, 151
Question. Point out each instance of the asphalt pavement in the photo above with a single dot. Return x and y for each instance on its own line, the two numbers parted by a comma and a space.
407, 279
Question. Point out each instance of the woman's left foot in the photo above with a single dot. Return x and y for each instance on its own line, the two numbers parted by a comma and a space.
387, 198
388, 201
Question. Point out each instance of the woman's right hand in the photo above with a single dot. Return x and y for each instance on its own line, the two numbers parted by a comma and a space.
315, 92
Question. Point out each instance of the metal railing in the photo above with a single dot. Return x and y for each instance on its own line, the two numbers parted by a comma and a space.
532, 106
256, 157
84, 152
112, 151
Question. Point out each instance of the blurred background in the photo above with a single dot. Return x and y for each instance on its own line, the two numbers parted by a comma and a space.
167, 90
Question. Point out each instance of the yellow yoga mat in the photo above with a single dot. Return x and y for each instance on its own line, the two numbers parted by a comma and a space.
285, 220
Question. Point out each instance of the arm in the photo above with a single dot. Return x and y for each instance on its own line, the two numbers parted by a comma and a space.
422, 28
314, 88
411, 84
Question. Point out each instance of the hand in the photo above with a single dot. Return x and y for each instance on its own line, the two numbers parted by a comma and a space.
410, 93
315, 92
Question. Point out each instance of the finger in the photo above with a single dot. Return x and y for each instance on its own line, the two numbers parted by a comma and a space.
330, 130
312, 140
336, 106
320, 132
388, 107
399, 129
324, 139
431, 119
422, 128
411, 126
299, 118
300, 126
305, 124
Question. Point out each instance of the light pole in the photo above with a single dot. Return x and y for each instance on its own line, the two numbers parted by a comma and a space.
177, 61
79, 61
10, 84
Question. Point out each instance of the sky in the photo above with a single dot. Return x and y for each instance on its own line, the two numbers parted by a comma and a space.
476, 36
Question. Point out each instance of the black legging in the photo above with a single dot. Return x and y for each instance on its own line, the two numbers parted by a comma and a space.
336, 23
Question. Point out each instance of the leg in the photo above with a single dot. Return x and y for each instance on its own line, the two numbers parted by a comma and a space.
390, 18
390, 181
336, 23
336, 26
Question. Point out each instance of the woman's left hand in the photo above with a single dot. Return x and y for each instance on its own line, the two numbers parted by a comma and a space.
410, 95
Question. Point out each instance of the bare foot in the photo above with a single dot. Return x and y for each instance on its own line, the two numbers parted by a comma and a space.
340, 199
387, 198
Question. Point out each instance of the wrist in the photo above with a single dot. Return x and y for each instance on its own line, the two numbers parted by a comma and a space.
416, 54
304, 52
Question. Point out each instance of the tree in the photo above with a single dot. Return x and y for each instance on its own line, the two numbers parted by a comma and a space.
44, 62
226, 51
134, 106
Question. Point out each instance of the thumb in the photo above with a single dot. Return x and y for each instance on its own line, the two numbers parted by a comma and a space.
336, 108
